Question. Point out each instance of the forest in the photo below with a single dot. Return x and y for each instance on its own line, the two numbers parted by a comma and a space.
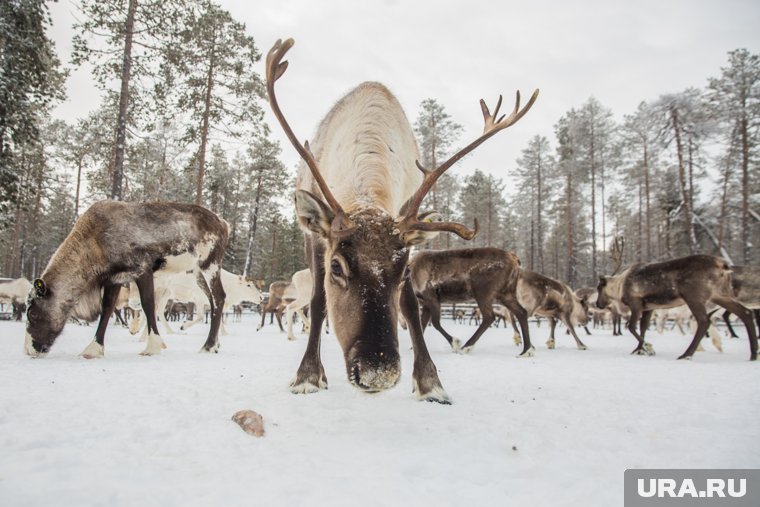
677, 176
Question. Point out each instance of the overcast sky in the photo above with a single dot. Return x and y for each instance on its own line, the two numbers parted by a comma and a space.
460, 51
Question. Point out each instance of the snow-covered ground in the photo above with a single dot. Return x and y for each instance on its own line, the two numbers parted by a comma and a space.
556, 429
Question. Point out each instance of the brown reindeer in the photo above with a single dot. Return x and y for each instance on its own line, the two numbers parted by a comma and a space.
117, 242
696, 281
274, 304
358, 199
487, 275
546, 297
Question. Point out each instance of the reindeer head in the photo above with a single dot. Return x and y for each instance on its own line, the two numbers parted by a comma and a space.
365, 252
45, 318
602, 299
251, 291
579, 316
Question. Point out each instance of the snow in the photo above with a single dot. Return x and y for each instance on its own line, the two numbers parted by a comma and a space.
556, 429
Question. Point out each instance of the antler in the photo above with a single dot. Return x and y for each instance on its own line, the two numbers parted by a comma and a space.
275, 68
616, 252
491, 126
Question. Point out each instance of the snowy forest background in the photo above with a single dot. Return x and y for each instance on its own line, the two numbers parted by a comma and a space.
181, 118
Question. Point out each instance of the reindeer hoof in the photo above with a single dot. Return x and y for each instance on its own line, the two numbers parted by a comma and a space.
582, 347
550, 344
528, 353
456, 345
436, 394
684, 356
463, 350
307, 387
211, 350
93, 351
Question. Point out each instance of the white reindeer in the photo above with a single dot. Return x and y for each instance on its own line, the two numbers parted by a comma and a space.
300, 289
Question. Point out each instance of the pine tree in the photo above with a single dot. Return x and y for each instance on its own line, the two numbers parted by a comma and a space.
30, 80
209, 75
126, 40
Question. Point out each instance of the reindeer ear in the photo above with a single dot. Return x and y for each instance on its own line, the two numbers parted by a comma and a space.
313, 214
419, 237
39, 287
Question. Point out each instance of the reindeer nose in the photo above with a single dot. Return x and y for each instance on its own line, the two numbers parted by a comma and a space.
374, 377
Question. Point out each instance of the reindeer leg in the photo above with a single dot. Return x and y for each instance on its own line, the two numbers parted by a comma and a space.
699, 312
310, 376
578, 342
278, 313
641, 349
147, 300
212, 286
289, 319
435, 316
486, 312
263, 317
426, 384
726, 319
646, 317
518, 312
550, 343
745, 315
95, 348
515, 334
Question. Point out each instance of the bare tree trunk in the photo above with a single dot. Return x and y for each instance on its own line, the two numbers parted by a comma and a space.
204, 131
570, 271
593, 203
80, 162
647, 212
539, 225
121, 122
745, 191
682, 183
253, 224
639, 223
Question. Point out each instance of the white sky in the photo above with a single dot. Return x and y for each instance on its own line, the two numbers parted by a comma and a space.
458, 52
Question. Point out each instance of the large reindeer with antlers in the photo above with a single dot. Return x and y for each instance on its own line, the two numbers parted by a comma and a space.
357, 199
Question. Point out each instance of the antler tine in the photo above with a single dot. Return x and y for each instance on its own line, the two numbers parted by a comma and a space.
275, 68
459, 229
490, 128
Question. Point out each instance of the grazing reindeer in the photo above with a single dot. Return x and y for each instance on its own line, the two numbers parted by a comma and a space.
695, 280
487, 275
359, 231
544, 296
117, 242
274, 304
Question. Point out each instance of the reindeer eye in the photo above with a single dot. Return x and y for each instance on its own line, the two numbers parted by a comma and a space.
335, 268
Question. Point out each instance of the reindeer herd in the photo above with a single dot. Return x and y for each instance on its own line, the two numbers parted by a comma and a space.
358, 197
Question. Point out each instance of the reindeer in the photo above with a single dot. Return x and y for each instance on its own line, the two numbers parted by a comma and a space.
475, 315
274, 304
544, 296
453, 276
181, 287
117, 242
746, 284
695, 280
359, 230
15, 292
302, 285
